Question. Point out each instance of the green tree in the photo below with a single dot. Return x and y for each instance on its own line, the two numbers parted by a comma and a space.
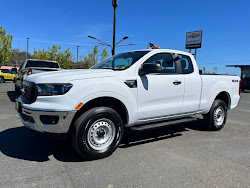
205, 71
17, 57
104, 54
5, 46
54, 54
93, 57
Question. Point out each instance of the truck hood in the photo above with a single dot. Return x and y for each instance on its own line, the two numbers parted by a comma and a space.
65, 76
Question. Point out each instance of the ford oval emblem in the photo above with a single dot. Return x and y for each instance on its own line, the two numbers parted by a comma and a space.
23, 90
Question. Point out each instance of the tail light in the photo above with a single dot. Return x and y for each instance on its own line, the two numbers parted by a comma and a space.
239, 86
29, 71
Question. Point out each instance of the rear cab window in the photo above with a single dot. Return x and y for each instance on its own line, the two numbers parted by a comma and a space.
186, 64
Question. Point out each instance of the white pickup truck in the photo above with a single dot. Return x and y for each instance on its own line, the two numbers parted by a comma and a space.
139, 89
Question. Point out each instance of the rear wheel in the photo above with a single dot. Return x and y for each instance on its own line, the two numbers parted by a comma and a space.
97, 133
217, 116
1, 79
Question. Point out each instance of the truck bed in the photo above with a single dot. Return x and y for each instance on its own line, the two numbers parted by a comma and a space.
213, 83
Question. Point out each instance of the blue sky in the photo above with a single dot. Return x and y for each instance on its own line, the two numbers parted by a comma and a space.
225, 25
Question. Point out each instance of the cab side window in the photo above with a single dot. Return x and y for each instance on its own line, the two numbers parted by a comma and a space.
168, 66
186, 64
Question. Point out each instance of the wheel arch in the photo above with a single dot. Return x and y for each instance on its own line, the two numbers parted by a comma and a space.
105, 101
224, 96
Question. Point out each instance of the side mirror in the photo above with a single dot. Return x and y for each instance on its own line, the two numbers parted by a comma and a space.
200, 71
148, 68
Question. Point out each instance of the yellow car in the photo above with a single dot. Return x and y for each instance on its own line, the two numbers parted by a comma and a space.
5, 74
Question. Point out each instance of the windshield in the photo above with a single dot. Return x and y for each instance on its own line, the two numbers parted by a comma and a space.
120, 61
42, 64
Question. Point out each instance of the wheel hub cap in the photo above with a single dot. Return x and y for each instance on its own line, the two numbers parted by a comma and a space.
101, 134
219, 116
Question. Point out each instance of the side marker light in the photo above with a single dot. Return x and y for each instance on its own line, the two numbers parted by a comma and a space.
79, 106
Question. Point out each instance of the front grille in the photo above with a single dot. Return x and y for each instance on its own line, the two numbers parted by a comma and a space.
29, 92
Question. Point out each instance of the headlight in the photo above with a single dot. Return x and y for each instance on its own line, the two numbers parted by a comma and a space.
52, 89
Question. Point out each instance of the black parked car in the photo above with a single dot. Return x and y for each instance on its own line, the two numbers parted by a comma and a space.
245, 84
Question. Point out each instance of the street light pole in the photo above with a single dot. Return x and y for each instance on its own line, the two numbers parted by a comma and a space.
77, 53
115, 4
106, 44
27, 48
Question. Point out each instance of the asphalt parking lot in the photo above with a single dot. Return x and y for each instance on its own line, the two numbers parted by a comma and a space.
181, 156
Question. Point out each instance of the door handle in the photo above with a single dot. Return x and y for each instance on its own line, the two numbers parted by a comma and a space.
176, 82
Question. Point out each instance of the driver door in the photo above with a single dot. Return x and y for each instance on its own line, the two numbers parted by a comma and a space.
160, 95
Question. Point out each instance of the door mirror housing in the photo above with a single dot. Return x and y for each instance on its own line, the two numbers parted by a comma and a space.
148, 68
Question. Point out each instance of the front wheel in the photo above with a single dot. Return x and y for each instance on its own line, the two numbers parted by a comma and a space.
1, 80
217, 116
97, 133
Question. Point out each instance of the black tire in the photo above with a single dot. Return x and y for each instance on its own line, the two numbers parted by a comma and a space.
85, 141
216, 118
2, 79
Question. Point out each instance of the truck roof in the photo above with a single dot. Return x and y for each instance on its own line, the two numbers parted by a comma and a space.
161, 50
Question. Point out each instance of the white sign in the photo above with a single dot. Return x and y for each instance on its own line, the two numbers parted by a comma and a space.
193, 39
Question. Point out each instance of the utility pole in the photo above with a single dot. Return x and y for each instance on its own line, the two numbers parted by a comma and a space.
27, 48
77, 53
115, 4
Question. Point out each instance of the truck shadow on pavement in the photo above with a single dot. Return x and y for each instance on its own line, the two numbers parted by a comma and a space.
12, 96
133, 138
20, 143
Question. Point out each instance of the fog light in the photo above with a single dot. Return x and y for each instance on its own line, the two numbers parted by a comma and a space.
52, 120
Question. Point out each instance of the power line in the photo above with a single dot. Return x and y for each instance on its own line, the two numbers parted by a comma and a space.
54, 42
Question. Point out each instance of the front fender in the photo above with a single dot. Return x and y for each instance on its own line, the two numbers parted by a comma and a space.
93, 96
89, 89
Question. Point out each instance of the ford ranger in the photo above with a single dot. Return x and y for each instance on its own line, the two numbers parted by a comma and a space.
141, 90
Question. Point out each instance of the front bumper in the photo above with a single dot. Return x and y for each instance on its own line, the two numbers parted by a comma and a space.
33, 119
